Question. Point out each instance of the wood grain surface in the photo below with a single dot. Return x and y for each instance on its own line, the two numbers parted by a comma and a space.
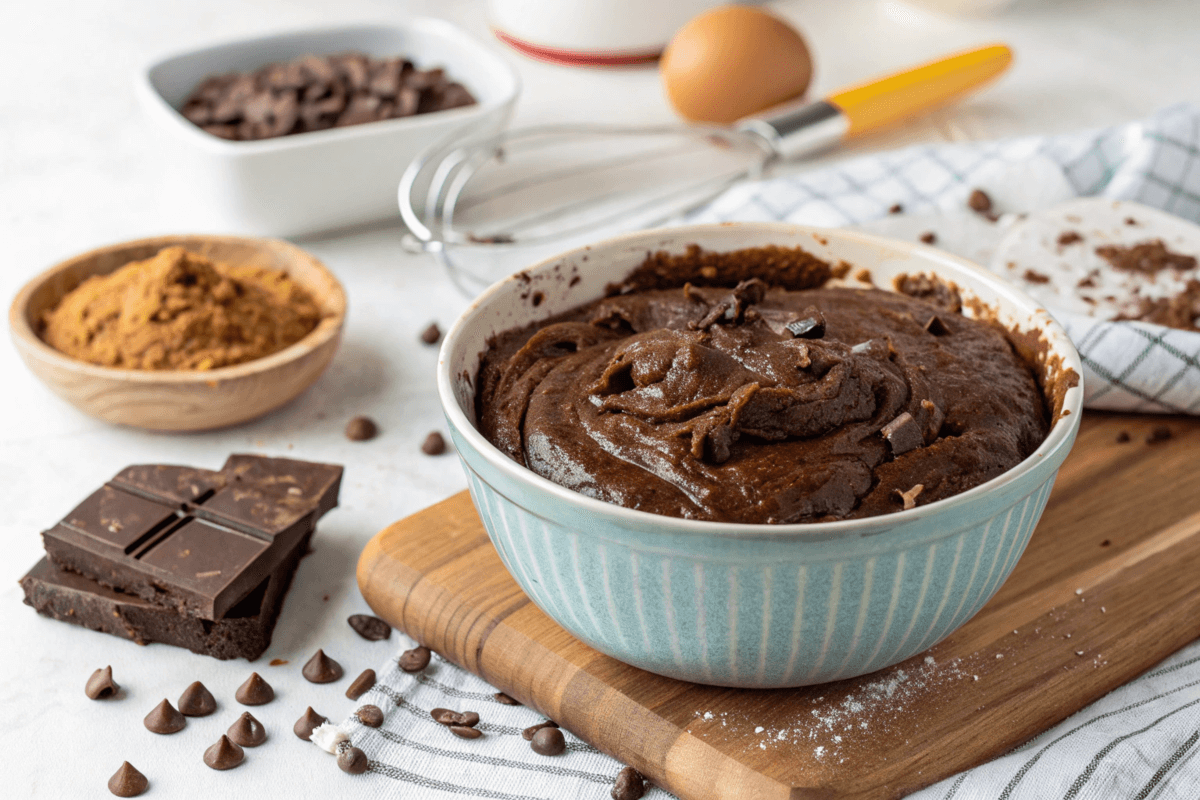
1107, 588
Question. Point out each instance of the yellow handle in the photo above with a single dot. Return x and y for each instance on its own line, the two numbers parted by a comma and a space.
883, 101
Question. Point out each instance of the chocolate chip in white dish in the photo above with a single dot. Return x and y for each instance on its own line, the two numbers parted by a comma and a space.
197, 701
127, 781
308, 722
101, 686
255, 691
353, 761
415, 660
361, 685
247, 731
224, 754
321, 669
371, 628
165, 719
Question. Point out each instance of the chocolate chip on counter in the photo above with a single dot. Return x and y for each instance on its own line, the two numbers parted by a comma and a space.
935, 326
501, 697
369, 715
101, 685
1160, 433
164, 719
247, 731
548, 742
928, 237
903, 434
629, 785
224, 754
979, 201
434, 444
360, 429
529, 732
307, 723
432, 334
352, 761
445, 716
321, 669
197, 701
463, 732
415, 660
1123, 437
370, 628
255, 691
361, 685
811, 325
127, 781
896, 209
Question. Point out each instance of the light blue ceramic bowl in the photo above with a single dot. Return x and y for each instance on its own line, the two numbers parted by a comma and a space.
763, 606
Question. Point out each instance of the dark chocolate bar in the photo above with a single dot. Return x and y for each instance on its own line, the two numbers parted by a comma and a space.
244, 632
193, 540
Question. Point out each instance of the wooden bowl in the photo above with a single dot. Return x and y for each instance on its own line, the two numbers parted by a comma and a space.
181, 400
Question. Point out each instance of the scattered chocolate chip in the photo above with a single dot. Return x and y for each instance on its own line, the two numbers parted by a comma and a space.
415, 660
307, 723
360, 429
501, 697
255, 691
224, 754
811, 325
432, 334
370, 628
629, 785
247, 731
361, 685
529, 732
909, 498
164, 719
928, 237
445, 716
463, 732
101, 685
1123, 437
197, 701
903, 434
1160, 433
278, 662
935, 326
353, 761
979, 201
127, 781
434, 444
369, 715
896, 208
1033, 276
1130, 221
548, 742
1068, 237
321, 669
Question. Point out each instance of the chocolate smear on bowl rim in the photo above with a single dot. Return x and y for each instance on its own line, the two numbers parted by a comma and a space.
371, 628
127, 781
370, 715
548, 742
247, 731
415, 660
101, 686
321, 669
353, 761
361, 685
165, 719
255, 691
197, 701
309, 721
224, 754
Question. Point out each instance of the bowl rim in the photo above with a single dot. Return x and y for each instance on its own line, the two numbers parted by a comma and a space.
144, 86
328, 328
1061, 435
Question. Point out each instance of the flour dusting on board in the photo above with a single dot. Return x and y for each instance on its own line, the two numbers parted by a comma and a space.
832, 725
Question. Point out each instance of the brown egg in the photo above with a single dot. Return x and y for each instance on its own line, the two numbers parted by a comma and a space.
733, 61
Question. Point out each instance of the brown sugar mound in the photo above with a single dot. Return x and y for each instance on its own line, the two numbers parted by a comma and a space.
180, 311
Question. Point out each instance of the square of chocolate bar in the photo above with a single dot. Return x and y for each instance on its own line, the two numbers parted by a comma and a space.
244, 632
195, 541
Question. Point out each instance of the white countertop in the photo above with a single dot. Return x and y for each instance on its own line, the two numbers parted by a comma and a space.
77, 171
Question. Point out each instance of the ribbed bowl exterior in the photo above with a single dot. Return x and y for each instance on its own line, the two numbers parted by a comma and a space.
762, 611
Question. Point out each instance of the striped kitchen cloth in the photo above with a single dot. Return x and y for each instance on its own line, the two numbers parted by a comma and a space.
1128, 366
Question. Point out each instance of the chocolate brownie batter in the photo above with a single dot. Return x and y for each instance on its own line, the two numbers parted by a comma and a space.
761, 404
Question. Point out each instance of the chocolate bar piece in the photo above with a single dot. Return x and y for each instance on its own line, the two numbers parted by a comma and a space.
193, 540
244, 632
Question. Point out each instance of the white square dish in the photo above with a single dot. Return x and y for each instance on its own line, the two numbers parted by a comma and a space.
322, 180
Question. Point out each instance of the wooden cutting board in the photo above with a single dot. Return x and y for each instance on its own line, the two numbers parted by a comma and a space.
1122, 525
